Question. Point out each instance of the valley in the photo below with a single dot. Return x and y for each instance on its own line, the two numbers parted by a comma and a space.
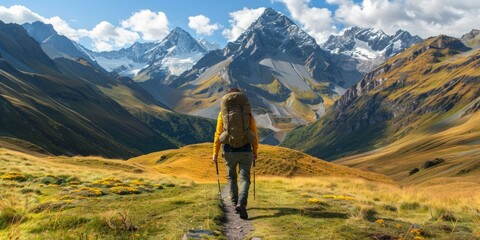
370, 134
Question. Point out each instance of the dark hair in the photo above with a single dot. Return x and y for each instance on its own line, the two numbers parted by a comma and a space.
234, 90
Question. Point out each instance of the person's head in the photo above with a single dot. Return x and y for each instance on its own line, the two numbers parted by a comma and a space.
233, 90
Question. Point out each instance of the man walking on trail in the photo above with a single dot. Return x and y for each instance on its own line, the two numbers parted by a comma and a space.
237, 132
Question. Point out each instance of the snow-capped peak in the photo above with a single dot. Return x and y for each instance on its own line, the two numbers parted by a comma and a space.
274, 28
177, 52
369, 46
207, 45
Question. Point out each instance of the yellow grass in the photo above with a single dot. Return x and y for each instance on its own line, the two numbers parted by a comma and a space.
459, 146
194, 162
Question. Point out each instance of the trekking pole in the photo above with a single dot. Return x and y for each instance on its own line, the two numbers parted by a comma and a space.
218, 182
254, 179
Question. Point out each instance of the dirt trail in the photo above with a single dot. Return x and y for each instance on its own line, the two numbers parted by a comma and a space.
234, 227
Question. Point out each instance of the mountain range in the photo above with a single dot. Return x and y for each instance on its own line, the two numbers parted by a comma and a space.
65, 99
288, 78
176, 53
291, 82
366, 48
420, 105
67, 106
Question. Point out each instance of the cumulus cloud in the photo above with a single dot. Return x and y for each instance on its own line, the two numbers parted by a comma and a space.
153, 26
201, 25
422, 17
317, 22
240, 21
18, 14
104, 36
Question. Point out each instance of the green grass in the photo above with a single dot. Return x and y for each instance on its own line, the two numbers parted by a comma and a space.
165, 213
72, 198
342, 208
75, 198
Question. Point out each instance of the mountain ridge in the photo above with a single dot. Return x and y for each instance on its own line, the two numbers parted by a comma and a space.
426, 91
368, 47
161, 60
290, 79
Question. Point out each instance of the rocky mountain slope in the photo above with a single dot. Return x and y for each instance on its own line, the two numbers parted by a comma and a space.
177, 52
472, 39
54, 44
288, 78
427, 97
366, 48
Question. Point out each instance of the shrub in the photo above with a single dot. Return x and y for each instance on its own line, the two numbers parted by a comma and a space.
52, 205
123, 190
314, 200
120, 221
88, 192
108, 182
30, 190
366, 213
380, 222
73, 179
168, 184
409, 205
444, 215
338, 197
305, 195
137, 182
14, 176
52, 180
448, 216
9, 214
413, 171
389, 207
436, 161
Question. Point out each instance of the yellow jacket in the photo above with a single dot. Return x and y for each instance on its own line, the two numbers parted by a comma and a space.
219, 130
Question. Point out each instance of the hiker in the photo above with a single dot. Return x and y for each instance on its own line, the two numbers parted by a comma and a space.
237, 132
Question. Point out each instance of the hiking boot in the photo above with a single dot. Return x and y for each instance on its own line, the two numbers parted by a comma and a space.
235, 207
242, 210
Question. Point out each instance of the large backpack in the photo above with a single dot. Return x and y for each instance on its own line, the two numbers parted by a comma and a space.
236, 114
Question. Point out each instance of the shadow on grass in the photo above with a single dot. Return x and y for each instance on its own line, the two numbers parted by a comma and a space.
317, 212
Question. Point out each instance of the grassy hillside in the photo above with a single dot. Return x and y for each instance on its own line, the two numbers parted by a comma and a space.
458, 147
180, 129
97, 198
411, 109
194, 161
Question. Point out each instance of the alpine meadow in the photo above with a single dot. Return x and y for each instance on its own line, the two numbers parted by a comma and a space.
258, 120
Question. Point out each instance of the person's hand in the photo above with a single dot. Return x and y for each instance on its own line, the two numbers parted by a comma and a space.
214, 159
254, 159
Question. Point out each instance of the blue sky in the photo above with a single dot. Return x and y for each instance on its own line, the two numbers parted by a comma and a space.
112, 24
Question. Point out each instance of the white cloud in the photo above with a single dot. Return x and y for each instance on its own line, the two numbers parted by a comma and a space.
153, 26
18, 14
62, 27
422, 17
317, 22
105, 37
201, 25
240, 21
